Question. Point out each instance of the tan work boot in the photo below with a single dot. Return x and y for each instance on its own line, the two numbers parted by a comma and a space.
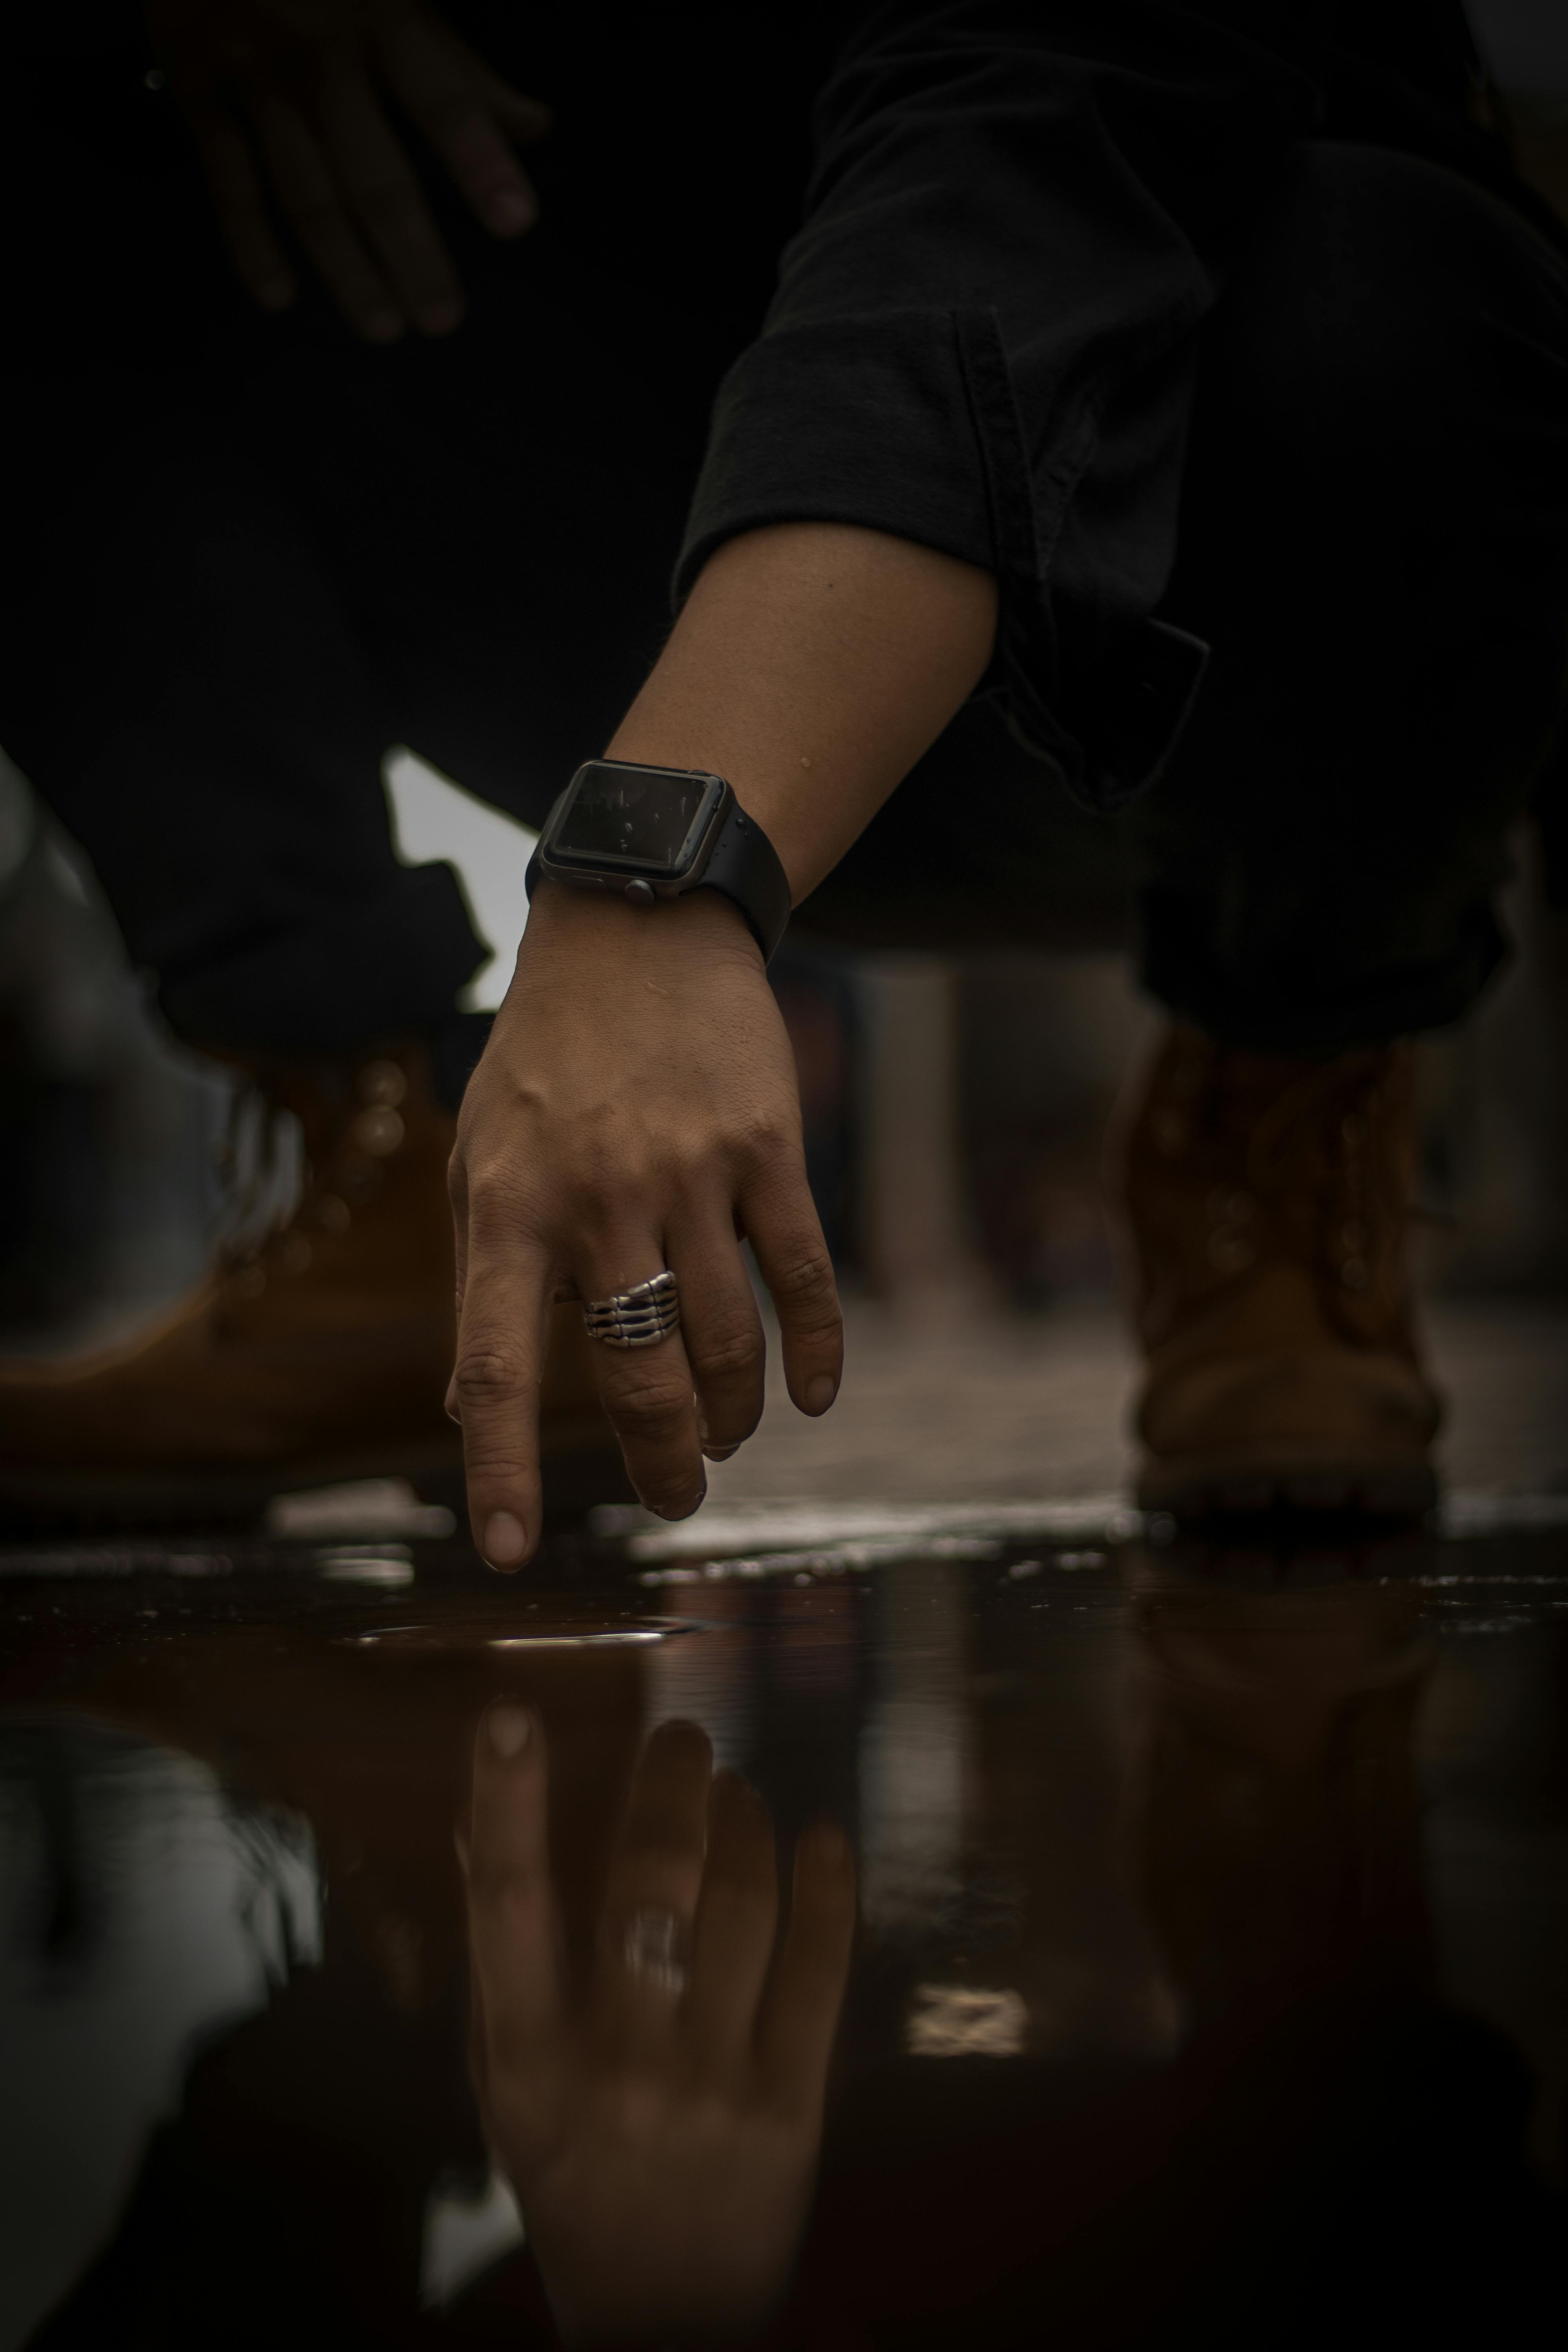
1265, 1203
320, 1353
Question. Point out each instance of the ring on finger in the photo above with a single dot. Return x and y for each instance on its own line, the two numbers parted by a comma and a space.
653, 1950
638, 1317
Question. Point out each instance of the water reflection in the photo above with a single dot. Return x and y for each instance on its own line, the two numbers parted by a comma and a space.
1165, 2022
661, 2128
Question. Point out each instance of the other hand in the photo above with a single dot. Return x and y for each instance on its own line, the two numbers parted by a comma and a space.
289, 98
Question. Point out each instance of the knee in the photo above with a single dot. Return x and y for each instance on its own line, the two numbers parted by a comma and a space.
1387, 314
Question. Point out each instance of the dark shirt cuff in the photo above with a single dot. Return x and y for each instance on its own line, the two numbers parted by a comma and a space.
908, 421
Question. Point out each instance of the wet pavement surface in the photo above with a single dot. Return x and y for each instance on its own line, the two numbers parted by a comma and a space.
1209, 1981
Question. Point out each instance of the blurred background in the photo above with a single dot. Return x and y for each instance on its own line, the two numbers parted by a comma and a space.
955, 1110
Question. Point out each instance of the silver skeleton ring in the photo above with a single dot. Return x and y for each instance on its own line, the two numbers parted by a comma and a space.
640, 1318
653, 1949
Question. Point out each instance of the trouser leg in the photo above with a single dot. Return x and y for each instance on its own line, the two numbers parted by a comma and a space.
246, 556
195, 707
1375, 542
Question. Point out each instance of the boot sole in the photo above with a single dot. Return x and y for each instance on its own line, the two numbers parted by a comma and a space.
1238, 1486
578, 1471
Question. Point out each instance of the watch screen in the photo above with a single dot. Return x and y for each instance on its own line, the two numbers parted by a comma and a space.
643, 819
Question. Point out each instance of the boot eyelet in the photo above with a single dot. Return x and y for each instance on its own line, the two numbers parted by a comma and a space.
378, 1132
384, 1084
360, 1180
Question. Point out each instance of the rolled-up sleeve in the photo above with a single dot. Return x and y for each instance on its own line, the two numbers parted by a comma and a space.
984, 336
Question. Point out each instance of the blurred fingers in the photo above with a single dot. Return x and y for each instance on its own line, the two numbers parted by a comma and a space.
469, 115
237, 195
801, 2013
654, 1876
383, 194
512, 1908
309, 195
733, 1939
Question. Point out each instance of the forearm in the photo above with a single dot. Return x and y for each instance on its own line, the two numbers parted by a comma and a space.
812, 664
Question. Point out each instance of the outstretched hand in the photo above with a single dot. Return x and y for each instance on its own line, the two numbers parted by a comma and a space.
636, 1107
662, 2132
287, 98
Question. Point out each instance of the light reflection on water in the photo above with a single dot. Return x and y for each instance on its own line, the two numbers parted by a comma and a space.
1101, 1794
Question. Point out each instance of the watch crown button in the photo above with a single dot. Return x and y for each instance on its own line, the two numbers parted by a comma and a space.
640, 893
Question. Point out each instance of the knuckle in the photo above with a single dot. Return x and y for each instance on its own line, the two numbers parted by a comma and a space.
803, 1281
728, 1353
648, 1405
490, 1374
769, 1132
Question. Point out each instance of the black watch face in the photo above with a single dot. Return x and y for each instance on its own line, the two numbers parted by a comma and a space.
651, 819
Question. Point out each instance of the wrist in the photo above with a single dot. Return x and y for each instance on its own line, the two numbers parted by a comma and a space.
702, 922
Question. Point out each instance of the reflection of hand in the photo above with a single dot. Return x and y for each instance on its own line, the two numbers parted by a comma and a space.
662, 2134
298, 85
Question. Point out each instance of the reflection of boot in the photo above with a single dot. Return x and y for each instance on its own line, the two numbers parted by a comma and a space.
1265, 1202
320, 1353
1278, 1817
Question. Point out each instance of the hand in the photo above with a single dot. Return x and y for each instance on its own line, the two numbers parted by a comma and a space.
291, 92
635, 1108
662, 2137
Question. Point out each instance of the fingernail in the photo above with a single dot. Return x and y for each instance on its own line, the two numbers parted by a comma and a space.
505, 1541
679, 1510
449, 1405
820, 1392
509, 1728
719, 1453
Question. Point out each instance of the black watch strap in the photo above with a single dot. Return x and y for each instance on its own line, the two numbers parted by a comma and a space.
745, 865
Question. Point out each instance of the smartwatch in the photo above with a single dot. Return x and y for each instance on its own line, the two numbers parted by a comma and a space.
657, 833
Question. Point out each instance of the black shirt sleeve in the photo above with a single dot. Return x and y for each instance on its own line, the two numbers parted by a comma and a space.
983, 336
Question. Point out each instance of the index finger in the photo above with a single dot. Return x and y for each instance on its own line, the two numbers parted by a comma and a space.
242, 215
507, 1286
381, 187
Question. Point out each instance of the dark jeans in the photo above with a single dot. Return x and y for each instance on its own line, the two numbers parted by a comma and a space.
252, 555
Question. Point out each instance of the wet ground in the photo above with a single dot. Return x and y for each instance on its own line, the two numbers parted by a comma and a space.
1209, 1982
